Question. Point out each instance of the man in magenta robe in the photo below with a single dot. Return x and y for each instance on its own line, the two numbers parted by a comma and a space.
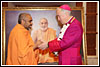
69, 40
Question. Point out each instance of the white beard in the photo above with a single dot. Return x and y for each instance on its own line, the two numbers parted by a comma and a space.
44, 29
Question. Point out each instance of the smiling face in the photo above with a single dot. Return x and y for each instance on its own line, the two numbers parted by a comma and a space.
25, 20
43, 24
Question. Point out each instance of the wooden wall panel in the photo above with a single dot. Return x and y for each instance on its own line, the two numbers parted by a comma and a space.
91, 44
79, 4
91, 7
4, 4
91, 23
91, 15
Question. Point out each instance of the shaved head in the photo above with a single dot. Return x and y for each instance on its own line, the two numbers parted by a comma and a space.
43, 19
25, 19
22, 16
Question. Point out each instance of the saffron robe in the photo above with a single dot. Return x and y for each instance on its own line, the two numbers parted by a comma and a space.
69, 46
48, 35
20, 47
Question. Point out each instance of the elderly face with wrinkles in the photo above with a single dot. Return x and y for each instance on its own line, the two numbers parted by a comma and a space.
62, 15
28, 22
25, 19
43, 24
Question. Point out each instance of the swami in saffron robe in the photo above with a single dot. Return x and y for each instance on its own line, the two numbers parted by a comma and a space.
20, 47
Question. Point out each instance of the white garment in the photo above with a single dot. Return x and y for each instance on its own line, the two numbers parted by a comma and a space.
63, 30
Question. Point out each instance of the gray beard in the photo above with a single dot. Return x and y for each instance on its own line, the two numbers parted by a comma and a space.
44, 29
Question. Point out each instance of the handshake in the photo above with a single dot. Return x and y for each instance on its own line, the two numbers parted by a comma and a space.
41, 45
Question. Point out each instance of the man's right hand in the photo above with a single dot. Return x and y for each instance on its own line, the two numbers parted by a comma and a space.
37, 44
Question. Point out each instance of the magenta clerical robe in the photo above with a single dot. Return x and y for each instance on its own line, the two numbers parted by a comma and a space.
69, 46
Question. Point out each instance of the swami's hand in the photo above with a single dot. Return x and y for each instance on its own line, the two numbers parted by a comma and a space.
37, 44
43, 46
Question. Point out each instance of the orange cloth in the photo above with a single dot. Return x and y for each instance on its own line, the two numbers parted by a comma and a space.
45, 55
20, 47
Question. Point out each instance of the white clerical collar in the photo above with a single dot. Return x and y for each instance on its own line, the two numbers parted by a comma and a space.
69, 19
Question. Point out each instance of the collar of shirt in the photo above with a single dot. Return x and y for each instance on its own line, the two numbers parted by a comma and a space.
69, 19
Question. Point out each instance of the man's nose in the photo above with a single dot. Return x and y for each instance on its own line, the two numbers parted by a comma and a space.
31, 23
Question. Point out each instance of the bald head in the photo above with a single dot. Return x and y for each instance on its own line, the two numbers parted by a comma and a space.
43, 20
25, 20
23, 16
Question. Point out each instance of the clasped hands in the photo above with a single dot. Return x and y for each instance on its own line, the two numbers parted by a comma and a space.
41, 45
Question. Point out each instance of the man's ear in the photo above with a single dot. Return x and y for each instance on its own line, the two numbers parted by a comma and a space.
22, 22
